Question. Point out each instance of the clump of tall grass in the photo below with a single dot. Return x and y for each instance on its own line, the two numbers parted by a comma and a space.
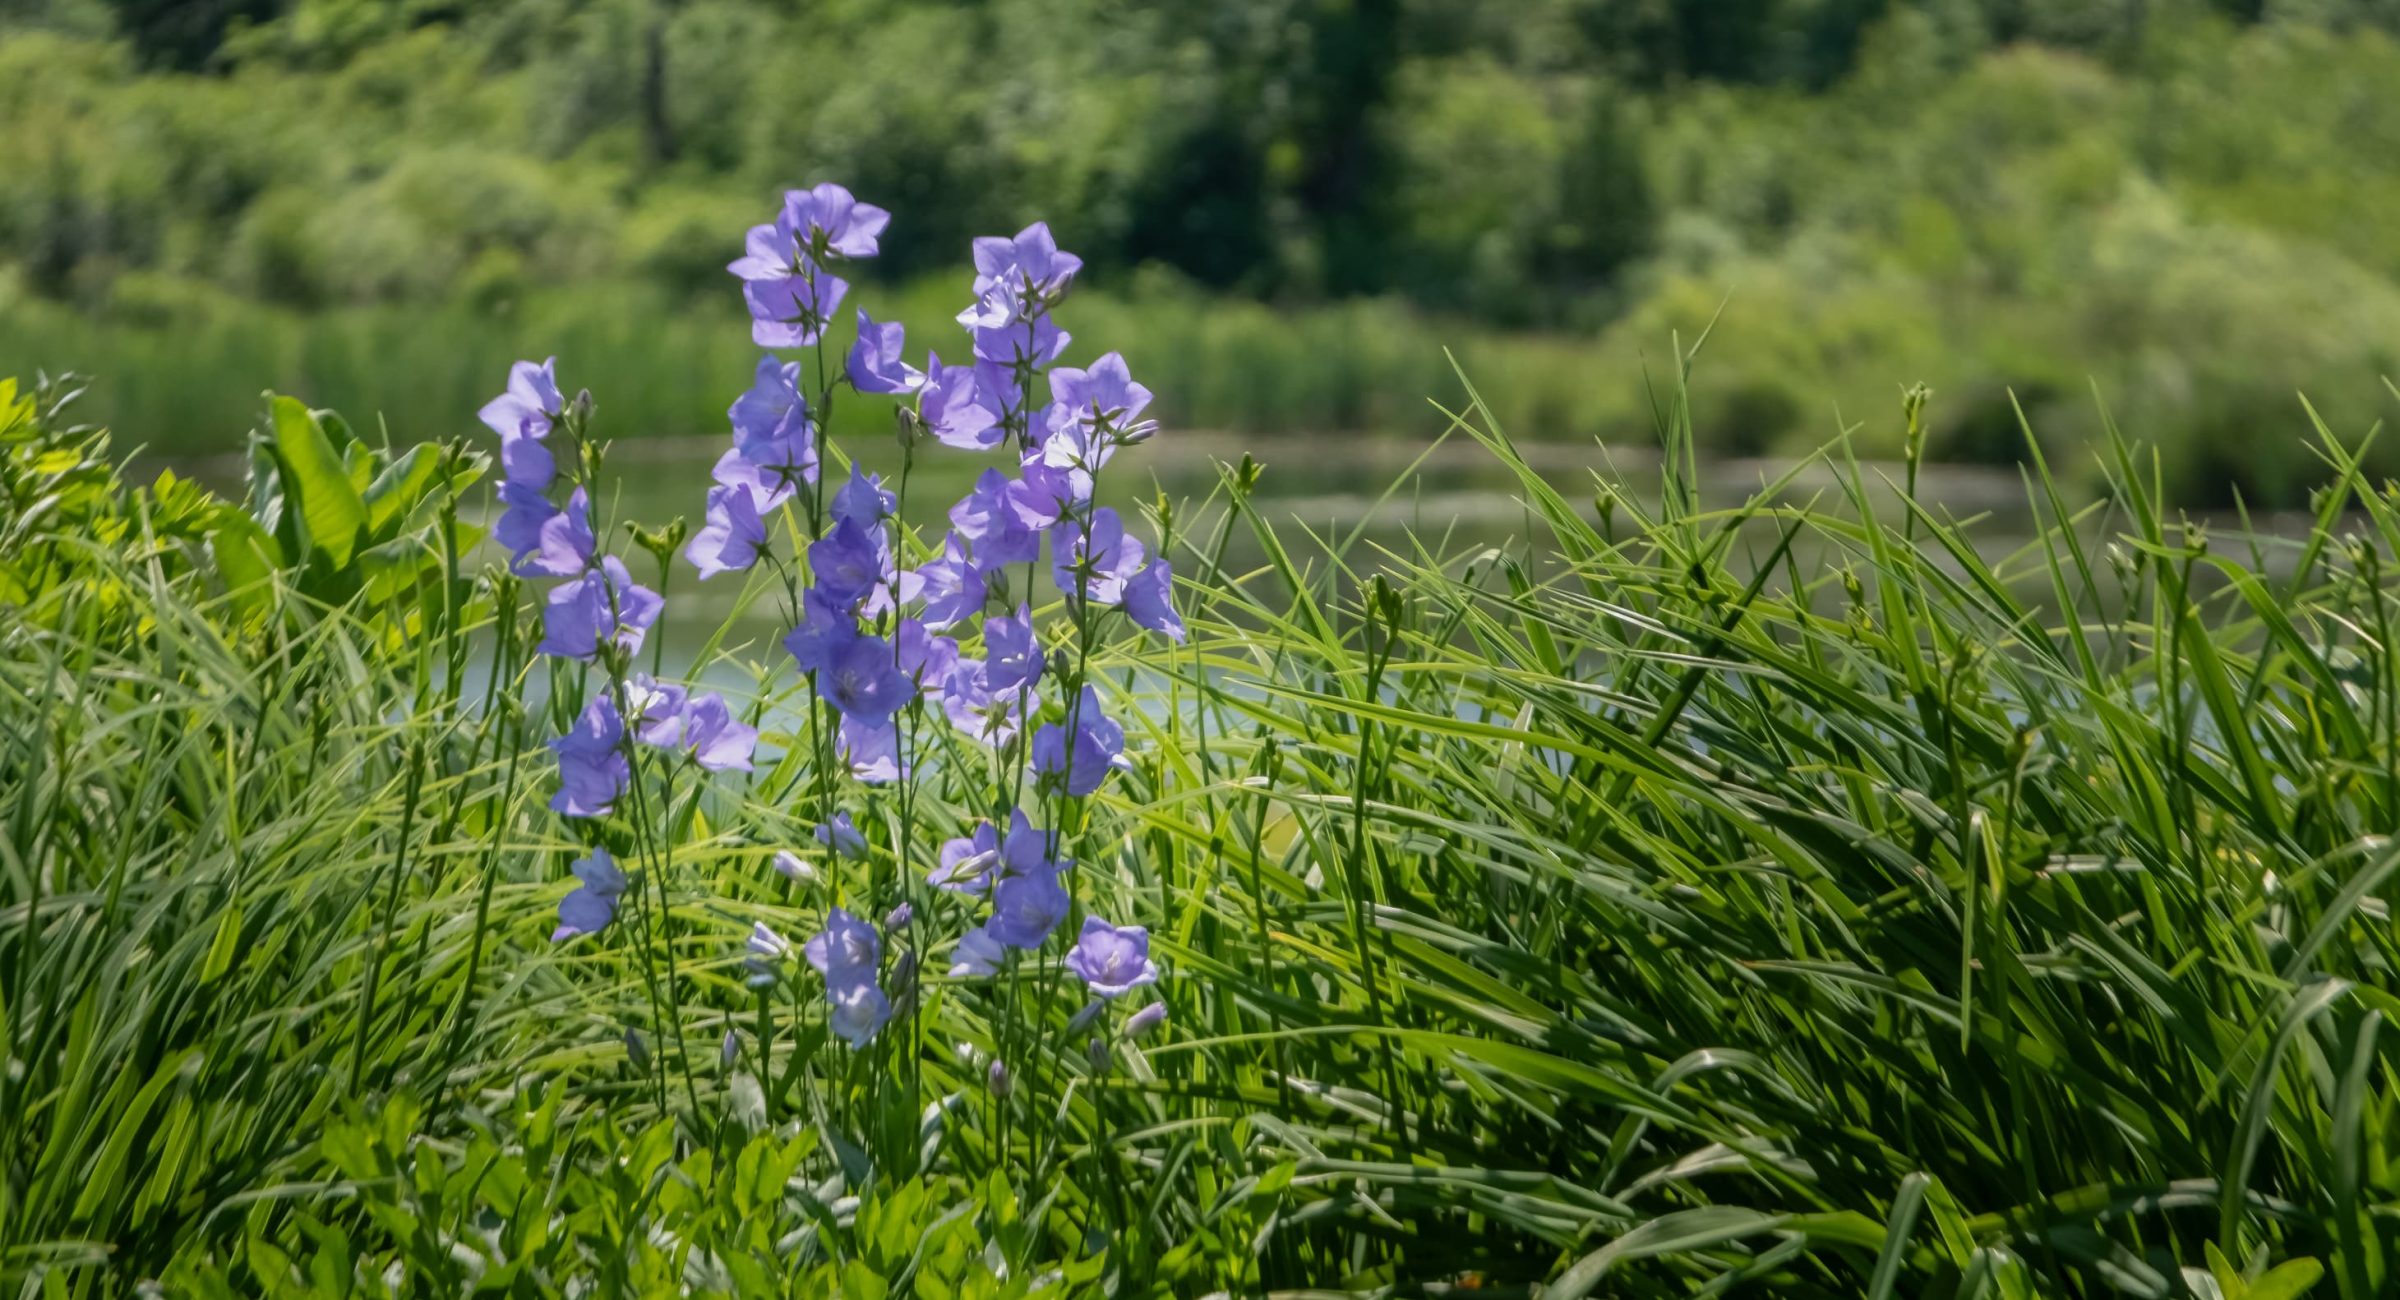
1692, 896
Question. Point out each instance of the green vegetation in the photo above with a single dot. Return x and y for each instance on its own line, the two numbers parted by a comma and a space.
1288, 205
1623, 910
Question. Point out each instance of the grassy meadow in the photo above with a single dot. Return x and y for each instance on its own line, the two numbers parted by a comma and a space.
1621, 911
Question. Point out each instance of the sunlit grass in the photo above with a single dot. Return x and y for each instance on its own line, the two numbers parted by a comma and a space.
1629, 910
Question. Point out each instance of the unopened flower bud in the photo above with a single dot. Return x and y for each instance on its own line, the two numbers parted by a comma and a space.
730, 1050
898, 918
636, 1050
791, 866
1143, 1021
1097, 1049
997, 1078
1083, 1019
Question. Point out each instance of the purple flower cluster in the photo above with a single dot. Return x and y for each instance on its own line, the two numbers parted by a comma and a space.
892, 636
596, 611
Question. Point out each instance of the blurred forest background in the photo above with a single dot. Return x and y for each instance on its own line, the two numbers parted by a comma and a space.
1289, 207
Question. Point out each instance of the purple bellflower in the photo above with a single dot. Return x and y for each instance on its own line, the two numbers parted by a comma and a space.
530, 405
1078, 761
603, 604
592, 769
1112, 960
592, 904
878, 362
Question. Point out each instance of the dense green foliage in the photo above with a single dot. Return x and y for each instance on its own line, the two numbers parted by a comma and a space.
1626, 909
1987, 196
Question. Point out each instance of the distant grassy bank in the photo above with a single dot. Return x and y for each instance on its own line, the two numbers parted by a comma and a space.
184, 367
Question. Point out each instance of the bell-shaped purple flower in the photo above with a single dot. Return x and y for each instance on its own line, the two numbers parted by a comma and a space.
863, 499
793, 312
704, 728
1036, 342
1093, 412
604, 604
826, 627
529, 406
1076, 756
519, 531
871, 750
863, 682
953, 404
828, 216
730, 535
1150, 600
527, 463
772, 428
859, 1010
978, 954
968, 863
1025, 909
952, 587
592, 769
1012, 650
1027, 851
849, 561
878, 361
1096, 560
994, 520
846, 949
992, 717
1112, 960
563, 545
1033, 256
592, 904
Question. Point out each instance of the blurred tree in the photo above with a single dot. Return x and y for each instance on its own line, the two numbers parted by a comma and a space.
186, 33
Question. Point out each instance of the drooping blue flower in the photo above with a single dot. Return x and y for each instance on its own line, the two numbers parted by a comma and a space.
863, 499
563, 544
994, 519
872, 750
825, 628
953, 404
1150, 600
921, 655
1049, 493
592, 768
768, 487
849, 561
792, 867
527, 463
704, 728
864, 684
1028, 851
965, 693
519, 531
795, 311
1036, 342
1032, 254
841, 834
729, 535
878, 362
529, 406
1012, 650
846, 949
979, 954
1096, 560
1077, 760
592, 904
772, 428
604, 604
952, 587
859, 1010
828, 216
650, 703
966, 864
1112, 960
1093, 412
1025, 909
